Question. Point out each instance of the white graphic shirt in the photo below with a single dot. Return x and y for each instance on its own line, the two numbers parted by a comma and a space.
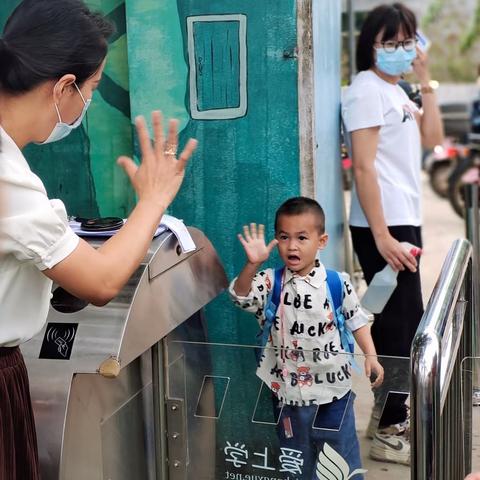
304, 362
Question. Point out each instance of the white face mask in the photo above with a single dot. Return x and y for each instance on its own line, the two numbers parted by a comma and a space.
61, 129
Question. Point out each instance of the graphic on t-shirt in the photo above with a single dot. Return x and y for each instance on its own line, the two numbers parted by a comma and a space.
275, 386
408, 113
305, 378
296, 353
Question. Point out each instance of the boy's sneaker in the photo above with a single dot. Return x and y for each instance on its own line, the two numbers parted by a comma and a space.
390, 448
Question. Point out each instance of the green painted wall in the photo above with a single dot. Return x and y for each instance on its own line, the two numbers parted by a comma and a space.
244, 167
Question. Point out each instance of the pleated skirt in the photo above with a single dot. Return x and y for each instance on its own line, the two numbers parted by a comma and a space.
18, 441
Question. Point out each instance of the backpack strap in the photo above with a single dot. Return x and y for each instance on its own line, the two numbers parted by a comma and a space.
335, 298
270, 312
335, 284
273, 299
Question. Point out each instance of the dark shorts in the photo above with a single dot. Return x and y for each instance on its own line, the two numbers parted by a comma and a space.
18, 441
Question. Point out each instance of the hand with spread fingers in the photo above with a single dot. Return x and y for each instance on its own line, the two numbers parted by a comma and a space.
253, 241
159, 176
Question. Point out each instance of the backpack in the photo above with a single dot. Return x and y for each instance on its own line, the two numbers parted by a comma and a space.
335, 298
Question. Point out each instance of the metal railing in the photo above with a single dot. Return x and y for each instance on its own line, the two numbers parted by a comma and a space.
472, 223
440, 437
443, 368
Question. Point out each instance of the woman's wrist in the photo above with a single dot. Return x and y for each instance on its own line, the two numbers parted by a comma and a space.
380, 234
424, 81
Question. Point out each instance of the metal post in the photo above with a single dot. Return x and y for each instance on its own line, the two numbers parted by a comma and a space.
159, 414
351, 39
472, 383
472, 223
467, 366
435, 373
425, 407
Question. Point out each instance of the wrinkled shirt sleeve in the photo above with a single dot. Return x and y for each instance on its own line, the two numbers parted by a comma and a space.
256, 299
355, 316
36, 229
362, 108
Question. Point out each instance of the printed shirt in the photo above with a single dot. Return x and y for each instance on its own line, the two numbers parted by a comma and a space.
303, 362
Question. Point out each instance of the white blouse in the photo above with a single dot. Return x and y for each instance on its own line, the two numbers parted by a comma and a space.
34, 236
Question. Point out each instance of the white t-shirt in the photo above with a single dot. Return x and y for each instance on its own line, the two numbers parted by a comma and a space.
369, 102
34, 236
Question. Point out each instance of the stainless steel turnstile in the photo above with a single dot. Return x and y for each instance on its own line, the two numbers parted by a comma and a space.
97, 373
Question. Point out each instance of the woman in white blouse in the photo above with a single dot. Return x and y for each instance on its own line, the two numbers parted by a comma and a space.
52, 55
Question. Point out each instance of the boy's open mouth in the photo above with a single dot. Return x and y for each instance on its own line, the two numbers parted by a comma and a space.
293, 258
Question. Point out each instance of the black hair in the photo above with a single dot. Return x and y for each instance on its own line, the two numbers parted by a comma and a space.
389, 18
299, 205
46, 39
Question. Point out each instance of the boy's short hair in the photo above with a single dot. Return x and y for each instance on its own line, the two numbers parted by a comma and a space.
299, 205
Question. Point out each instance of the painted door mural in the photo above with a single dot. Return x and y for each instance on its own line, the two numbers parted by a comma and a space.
81, 169
217, 59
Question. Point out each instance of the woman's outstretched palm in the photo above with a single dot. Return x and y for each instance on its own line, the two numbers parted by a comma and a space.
253, 241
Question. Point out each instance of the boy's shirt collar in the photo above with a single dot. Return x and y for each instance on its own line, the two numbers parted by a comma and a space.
316, 277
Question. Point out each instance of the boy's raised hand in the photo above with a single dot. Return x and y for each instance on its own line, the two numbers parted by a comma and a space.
253, 241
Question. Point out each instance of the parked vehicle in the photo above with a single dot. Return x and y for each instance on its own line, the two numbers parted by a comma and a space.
468, 168
467, 171
440, 163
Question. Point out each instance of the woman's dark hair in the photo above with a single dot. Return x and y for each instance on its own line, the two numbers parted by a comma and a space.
299, 205
46, 39
389, 18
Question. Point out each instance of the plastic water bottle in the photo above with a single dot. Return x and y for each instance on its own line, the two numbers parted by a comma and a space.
383, 284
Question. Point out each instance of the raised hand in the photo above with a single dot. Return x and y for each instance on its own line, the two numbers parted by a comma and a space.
253, 242
420, 67
159, 176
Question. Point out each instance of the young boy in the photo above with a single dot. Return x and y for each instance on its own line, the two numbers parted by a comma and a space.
306, 371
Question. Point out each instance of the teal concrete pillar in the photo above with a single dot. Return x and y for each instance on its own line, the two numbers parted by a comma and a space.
326, 20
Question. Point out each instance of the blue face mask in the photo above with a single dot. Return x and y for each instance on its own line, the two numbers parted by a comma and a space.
61, 129
395, 63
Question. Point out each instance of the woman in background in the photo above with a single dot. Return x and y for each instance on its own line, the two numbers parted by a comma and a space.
386, 131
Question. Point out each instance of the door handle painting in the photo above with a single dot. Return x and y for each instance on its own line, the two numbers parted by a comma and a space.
290, 53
